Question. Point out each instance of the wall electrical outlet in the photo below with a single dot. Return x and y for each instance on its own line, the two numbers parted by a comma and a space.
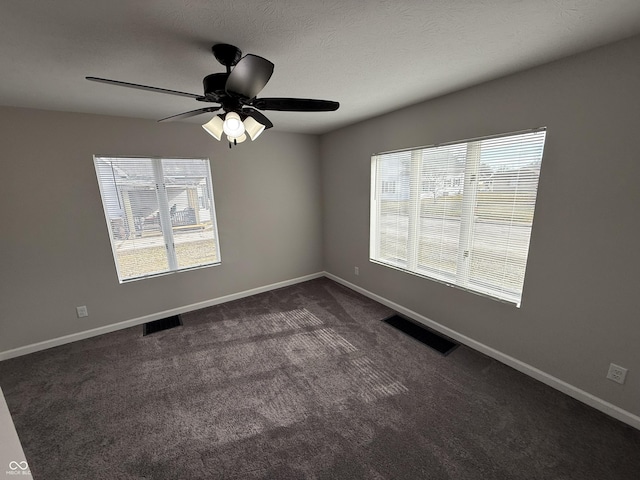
617, 373
356, 270
82, 311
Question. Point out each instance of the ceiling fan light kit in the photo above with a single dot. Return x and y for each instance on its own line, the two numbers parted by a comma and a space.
235, 93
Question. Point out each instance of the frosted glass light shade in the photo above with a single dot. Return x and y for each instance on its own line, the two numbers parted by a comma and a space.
214, 127
253, 127
233, 125
239, 139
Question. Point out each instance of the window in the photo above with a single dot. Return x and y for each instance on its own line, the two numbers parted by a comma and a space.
461, 213
160, 214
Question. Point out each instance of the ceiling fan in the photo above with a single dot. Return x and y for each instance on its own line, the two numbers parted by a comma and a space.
234, 92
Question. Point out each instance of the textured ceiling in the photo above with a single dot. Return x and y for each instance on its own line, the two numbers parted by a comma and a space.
372, 56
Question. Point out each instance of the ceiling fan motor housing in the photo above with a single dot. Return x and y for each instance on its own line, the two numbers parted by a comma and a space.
214, 91
214, 84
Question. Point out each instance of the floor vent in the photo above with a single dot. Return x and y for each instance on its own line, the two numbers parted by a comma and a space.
162, 324
422, 334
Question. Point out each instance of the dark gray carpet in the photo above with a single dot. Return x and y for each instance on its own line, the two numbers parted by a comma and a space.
304, 382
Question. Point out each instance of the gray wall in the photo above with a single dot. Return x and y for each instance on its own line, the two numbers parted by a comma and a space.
54, 246
579, 310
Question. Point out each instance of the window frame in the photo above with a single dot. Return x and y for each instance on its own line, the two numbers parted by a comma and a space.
416, 187
163, 211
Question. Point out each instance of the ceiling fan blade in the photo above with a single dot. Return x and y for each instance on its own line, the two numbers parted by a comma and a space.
142, 87
258, 116
192, 113
295, 104
249, 76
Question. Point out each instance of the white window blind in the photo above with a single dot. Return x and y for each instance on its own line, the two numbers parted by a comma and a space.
460, 213
160, 214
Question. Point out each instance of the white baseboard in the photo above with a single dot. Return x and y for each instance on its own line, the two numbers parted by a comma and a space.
74, 337
584, 397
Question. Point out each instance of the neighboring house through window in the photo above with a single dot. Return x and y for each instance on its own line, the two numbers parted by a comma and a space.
389, 187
